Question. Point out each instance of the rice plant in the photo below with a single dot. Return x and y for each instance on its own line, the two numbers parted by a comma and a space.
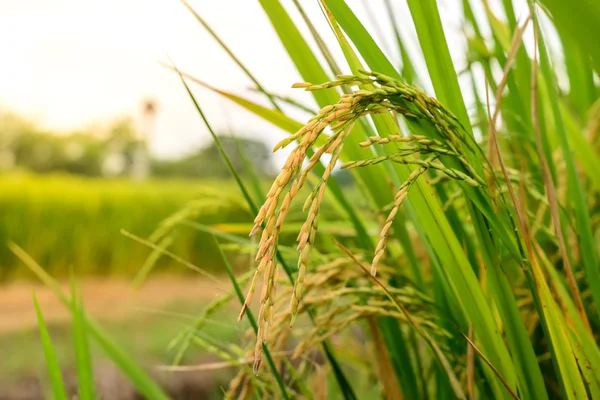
467, 264
471, 268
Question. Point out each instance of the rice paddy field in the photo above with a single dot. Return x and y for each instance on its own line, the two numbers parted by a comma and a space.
462, 263
66, 221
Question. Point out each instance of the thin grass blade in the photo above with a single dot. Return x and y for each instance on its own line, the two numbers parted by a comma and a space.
85, 371
56, 382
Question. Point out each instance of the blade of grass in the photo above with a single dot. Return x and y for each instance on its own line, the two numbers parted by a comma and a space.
361, 38
275, 117
297, 49
399, 347
56, 382
471, 368
231, 54
224, 155
437, 57
522, 68
582, 93
579, 20
218, 233
583, 150
513, 49
577, 196
551, 192
171, 255
408, 70
588, 354
295, 103
514, 115
251, 174
516, 111
320, 43
151, 260
385, 367
489, 364
85, 371
372, 18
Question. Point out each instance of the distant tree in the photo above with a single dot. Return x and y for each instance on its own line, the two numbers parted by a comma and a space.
82, 153
112, 152
118, 148
207, 162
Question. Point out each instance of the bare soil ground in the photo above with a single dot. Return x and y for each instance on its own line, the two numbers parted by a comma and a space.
103, 299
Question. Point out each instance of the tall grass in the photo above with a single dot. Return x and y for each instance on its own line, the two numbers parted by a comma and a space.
470, 268
489, 221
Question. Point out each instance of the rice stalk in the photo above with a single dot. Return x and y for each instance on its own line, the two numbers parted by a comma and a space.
340, 118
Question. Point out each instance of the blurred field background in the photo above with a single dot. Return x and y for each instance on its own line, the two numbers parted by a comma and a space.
85, 217
65, 199
144, 322
74, 200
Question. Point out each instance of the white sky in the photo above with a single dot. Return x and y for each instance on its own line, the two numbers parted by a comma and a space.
68, 64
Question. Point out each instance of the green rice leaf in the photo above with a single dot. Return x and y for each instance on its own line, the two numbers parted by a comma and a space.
578, 19
437, 56
85, 371
583, 151
576, 194
58, 388
231, 54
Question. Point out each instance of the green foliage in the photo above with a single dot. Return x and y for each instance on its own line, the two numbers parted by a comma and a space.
483, 229
26, 147
207, 163
110, 152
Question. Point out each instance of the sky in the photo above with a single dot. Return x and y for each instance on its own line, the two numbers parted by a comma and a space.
71, 64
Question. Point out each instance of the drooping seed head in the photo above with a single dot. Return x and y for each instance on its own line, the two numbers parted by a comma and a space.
301, 85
